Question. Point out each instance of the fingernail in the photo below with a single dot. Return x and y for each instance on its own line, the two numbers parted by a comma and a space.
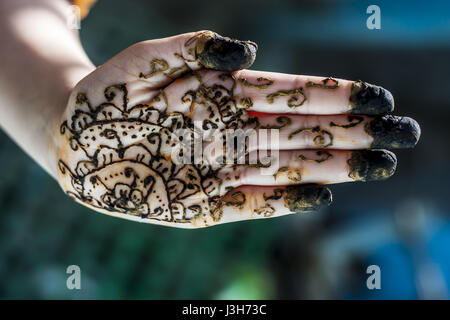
370, 99
393, 132
308, 197
371, 165
223, 53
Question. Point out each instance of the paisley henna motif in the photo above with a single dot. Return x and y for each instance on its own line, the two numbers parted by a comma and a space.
126, 153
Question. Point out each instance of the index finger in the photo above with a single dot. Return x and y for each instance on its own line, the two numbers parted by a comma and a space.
270, 92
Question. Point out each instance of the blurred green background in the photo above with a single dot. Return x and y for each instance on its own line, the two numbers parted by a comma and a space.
402, 225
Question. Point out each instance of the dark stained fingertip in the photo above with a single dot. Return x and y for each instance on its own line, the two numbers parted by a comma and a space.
371, 165
393, 132
223, 53
369, 99
308, 197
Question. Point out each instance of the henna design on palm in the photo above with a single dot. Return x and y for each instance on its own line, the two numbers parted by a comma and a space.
120, 150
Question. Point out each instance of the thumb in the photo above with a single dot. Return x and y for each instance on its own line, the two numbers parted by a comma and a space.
155, 63
214, 51
162, 60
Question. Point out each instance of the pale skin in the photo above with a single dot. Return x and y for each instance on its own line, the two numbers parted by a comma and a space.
105, 134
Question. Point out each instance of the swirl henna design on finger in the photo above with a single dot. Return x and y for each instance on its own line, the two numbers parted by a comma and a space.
282, 122
353, 122
325, 155
247, 102
327, 83
266, 211
293, 174
262, 83
322, 138
296, 96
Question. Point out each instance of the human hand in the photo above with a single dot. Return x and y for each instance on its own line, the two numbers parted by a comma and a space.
118, 142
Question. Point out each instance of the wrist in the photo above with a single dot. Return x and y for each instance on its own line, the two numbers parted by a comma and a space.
42, 61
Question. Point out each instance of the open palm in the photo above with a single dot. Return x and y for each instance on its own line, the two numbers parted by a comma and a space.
120, 150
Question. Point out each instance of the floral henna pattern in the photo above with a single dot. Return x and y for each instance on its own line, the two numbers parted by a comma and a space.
118, 157
126, 152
